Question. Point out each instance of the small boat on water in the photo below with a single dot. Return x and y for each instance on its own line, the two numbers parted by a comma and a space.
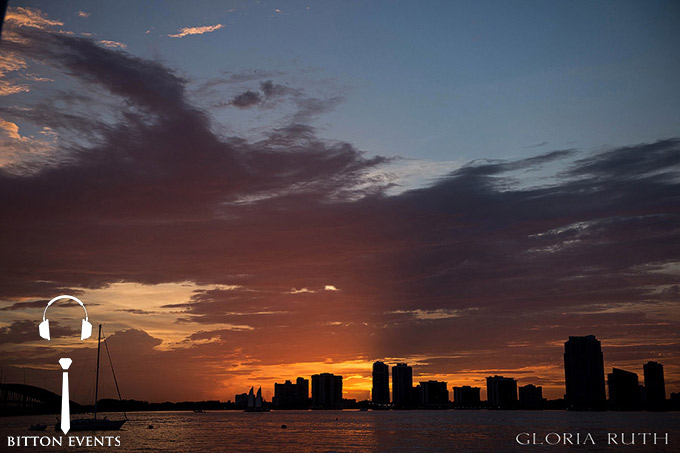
198, 411
94, 423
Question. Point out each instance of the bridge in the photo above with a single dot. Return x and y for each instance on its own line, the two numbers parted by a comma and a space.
22, 399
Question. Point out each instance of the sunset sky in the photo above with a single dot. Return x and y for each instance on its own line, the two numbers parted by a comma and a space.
249, 191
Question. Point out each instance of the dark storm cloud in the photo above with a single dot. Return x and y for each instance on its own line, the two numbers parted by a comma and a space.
534, 243
659, 162
246, 100
159, 164
144, 82
477, 170
272, 95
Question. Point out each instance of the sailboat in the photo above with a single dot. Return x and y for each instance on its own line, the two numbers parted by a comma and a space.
94, 423
255, 402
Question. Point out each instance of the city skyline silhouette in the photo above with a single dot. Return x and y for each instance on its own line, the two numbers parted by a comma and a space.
584, 391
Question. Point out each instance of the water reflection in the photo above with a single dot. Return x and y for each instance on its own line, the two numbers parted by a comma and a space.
363, 431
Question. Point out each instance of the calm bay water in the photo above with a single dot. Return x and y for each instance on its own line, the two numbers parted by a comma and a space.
364, 431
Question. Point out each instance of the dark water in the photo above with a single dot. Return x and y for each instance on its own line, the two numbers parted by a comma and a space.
366, 431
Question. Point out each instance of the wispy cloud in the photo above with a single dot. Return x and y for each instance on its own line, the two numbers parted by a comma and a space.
16, 19
11, 62
11, 130
301, 291
28, 17
17, 150
432, 314
187, 31
536, 145
113, 44
36, 78
82, 14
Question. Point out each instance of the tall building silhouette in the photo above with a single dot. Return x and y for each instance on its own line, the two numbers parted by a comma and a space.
655, 386
381, 384
584, 373
531, 397
501, 392
326, 391
466, 397
291, 396
434, 394
241, 400
402, 385
624, 390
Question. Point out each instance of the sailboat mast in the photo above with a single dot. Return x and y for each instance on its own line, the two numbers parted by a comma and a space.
96, 383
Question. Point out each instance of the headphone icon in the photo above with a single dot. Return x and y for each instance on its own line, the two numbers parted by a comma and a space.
44, 327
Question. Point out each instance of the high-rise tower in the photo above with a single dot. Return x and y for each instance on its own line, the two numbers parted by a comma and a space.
381, 384
402, 385
655, 387
584, 373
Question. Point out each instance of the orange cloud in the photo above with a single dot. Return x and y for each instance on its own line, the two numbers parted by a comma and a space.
28, 17
7, 88
113, 44
10, 129
196, 30
11, 62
